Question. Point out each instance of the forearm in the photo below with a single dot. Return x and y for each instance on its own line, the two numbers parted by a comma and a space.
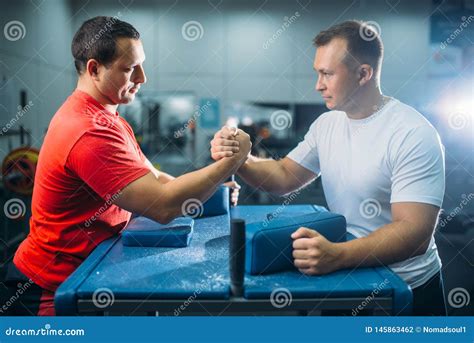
391, 243
200, 184
266, 174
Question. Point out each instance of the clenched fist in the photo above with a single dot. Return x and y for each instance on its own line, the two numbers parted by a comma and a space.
230, 141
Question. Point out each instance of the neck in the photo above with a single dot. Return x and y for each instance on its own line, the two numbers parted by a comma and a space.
88, 87
368, 102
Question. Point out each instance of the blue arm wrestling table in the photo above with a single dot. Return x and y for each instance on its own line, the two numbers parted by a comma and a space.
117, 279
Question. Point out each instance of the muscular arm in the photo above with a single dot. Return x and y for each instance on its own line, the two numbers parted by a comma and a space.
279, 177
162, 200
407, 236
161, 176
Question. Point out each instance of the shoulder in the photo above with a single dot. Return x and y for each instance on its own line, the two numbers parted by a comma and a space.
327, 120
412, 134
406, 118
408, 124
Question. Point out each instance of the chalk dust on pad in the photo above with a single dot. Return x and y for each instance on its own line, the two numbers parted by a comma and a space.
204, 282
216, 279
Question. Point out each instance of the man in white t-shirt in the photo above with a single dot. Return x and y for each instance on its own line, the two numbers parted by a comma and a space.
381, 163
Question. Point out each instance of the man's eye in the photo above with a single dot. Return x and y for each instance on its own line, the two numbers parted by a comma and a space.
128, 70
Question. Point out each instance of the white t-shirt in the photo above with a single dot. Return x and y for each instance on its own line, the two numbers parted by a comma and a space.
395, 155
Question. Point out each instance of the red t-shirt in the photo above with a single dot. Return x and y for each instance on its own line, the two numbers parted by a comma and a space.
88, 156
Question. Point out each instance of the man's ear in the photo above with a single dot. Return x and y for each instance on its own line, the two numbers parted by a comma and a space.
366, 72
92, 69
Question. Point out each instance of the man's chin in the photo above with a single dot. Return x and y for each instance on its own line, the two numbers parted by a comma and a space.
128, 99
330, 105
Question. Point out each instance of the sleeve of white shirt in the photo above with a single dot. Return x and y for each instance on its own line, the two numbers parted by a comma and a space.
306, 152
418, 168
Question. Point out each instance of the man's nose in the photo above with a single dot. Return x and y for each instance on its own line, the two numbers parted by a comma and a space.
139, 76
319, 85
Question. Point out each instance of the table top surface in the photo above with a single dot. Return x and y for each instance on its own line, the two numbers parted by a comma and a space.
203, 267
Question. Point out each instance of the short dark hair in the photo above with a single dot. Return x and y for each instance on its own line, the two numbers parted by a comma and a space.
96, 39
364, 44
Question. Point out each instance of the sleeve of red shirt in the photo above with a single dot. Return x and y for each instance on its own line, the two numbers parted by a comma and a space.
107, 161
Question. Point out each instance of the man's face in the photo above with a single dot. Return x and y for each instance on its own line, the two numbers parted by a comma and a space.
336, 82
121, 80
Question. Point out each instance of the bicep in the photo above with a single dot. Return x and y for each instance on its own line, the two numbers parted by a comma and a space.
142, 196
420, 217
160, 175
165, 178
297, 176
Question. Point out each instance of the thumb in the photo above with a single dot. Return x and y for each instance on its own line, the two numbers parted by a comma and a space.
232, 184
304, 232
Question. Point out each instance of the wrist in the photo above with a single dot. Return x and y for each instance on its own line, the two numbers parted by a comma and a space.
241, 159
246, 163
343, 253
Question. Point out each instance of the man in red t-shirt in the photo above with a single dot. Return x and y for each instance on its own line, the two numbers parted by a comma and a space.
91, 173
